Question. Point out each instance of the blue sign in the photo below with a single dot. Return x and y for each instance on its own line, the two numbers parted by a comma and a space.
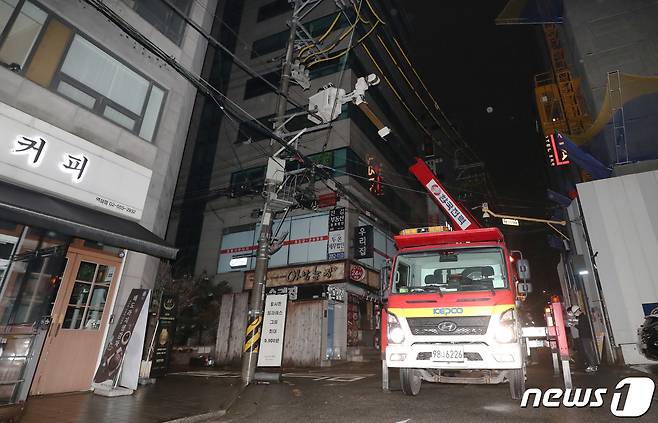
650, 308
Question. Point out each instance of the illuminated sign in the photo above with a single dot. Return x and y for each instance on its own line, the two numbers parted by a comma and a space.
557, 152
45, 158
375, 176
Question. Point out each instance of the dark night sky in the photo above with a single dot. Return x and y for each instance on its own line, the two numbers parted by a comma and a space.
469, 63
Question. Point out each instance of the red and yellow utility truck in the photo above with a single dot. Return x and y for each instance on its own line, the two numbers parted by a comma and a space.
451, 310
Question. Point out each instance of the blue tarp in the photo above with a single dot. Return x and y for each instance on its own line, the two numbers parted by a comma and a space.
584, 160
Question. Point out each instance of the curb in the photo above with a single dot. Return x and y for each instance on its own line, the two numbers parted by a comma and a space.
210, 415
199, 417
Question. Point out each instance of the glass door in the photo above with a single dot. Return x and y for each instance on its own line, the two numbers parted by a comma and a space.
79, 315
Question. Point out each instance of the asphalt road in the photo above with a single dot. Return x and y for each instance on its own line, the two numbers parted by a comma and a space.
354, 394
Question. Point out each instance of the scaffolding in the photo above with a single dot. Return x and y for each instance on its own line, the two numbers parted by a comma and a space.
558, 93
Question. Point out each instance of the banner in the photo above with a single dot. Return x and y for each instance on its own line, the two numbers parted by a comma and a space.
336, 244
271, 344
119, 348
164, 335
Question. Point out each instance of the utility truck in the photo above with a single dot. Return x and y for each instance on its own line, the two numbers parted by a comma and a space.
452, 302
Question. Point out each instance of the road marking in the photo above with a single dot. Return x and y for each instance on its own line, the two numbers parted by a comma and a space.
329, 377
342, 377
207, 373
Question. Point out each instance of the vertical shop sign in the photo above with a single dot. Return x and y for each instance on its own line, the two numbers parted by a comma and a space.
164, 335
363, 242
274, 321
336, 244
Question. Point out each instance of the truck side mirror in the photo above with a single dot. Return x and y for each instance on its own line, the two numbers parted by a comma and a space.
384, 273
523, 269
524, 288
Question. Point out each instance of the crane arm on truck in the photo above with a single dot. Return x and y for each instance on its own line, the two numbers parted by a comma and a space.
460, 217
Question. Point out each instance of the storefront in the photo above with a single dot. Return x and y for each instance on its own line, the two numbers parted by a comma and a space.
329, 266
331, 310
69, 215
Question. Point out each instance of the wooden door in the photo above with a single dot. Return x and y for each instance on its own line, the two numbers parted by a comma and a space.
302, 345
80, 314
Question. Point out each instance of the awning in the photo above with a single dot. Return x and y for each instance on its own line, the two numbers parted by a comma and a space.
31, 208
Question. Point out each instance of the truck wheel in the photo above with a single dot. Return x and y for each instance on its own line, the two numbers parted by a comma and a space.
517, 383
410, 380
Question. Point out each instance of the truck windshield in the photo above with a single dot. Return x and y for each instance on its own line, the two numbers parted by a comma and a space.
446, 271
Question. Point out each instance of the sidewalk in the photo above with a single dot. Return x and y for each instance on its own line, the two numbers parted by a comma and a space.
170, 398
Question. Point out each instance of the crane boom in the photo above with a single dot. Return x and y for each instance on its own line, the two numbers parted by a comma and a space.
460, 216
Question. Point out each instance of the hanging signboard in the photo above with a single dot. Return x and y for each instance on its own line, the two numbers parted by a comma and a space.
299, 275
164, 335
336, 244
274, 321
122, 355
363, 242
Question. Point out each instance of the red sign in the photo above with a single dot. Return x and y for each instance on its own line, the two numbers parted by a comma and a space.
327, 200
357, 273
288, 242
460, 217
375, 176
557, 152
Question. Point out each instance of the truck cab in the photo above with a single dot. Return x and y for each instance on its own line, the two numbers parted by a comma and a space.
451, 313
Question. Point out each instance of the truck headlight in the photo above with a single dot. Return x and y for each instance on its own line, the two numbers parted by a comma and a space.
395, 331
506, 331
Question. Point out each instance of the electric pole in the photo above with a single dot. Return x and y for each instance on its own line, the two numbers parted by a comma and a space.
274, 176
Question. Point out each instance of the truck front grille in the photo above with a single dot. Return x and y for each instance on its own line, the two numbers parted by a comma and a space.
465, 325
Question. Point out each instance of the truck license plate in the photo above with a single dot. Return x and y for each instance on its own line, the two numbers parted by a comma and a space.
448, 353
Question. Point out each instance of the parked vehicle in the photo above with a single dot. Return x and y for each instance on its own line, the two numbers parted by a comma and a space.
451, 313
649, 337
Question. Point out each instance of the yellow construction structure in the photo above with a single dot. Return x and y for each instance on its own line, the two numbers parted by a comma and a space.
559, 98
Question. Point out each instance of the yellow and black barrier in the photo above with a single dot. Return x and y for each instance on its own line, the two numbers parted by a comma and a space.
252, 334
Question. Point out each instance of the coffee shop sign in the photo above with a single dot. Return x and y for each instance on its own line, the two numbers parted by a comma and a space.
35, 149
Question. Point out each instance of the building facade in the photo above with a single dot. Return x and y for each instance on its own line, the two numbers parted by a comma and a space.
333, 252
94, 129
604, 56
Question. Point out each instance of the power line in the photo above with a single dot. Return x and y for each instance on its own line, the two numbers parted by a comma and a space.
340, 78
214, 42
205, 87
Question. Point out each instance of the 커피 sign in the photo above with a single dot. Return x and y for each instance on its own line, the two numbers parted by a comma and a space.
38, 155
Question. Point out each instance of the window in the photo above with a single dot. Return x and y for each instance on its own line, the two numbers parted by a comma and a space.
21, 29
278, 41
248, 180
94, 79
295, 124
47, 51
256, 86
330, 66
88, 297
164, 18
269, 44
273, 9
459, 270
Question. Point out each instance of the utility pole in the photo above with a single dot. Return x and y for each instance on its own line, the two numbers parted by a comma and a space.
274, 172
